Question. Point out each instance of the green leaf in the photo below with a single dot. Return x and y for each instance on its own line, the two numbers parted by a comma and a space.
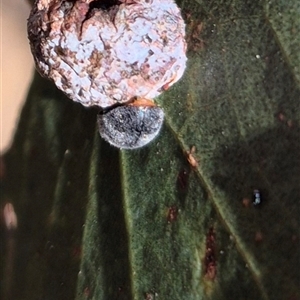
98, 223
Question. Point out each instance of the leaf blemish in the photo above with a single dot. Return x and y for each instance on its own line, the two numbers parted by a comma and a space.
182, 180
172, 214
191, 158
210, 259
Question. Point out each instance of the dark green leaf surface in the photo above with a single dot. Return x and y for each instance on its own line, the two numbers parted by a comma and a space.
98, 223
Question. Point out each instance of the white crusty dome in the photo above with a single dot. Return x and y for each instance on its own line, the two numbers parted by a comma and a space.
103, 56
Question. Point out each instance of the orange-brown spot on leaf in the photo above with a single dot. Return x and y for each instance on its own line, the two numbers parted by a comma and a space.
172, 214
210, 259
191, 158
182, 180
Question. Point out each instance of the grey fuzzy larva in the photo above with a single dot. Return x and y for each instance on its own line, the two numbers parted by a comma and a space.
130, 126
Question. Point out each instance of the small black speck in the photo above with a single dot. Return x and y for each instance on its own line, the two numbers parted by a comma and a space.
256, 197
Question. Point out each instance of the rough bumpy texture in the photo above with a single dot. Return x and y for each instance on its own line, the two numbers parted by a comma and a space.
130, 127
103, 56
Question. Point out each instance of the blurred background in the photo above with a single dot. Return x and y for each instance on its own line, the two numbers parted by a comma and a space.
16, 65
